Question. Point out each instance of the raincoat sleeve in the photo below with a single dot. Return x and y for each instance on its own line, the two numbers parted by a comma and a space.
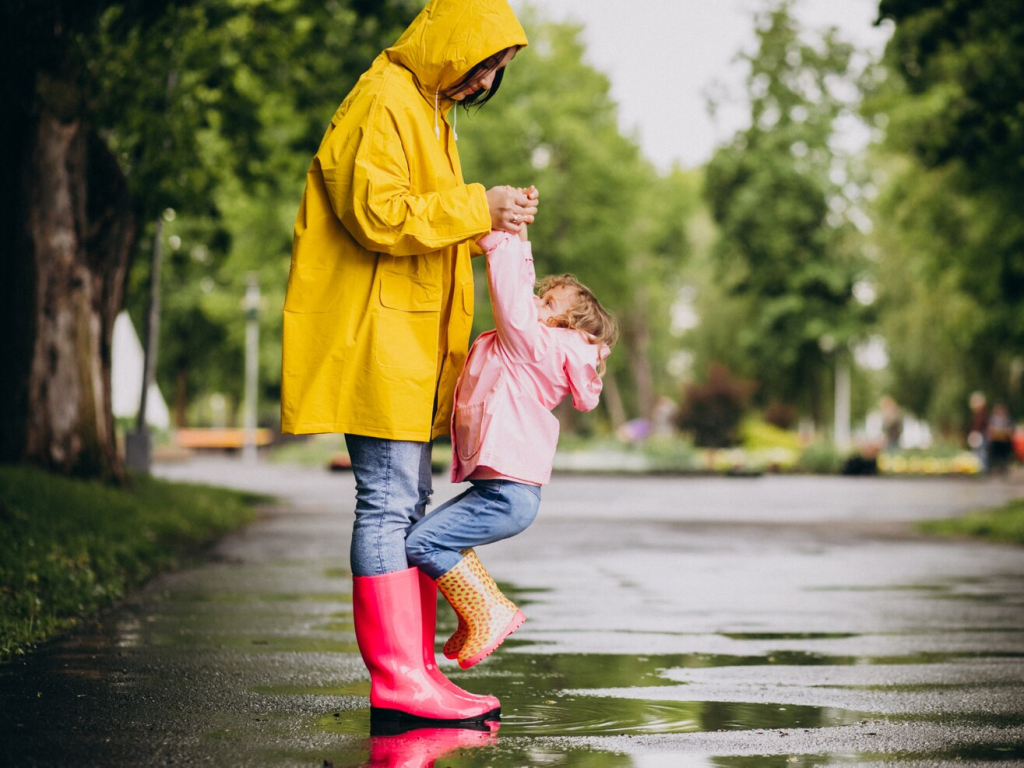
510, 279
581, 362
378, 207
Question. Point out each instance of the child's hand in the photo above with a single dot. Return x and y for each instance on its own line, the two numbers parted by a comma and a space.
511, 207
531, 195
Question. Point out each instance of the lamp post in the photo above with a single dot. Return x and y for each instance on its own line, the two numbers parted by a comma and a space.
139, 443
841, 403
252, 352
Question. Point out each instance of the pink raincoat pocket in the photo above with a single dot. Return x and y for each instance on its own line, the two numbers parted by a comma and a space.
469, 429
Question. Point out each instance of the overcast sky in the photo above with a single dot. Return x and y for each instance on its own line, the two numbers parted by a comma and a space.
664, 56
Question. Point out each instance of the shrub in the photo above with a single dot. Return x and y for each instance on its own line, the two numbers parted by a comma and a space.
781, 415
821, 459
712, 411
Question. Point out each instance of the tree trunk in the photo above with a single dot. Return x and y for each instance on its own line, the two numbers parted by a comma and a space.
612, 399
638, 349
70, 257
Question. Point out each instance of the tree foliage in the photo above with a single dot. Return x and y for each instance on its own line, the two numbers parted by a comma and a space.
951, 234
780, 194
215, 109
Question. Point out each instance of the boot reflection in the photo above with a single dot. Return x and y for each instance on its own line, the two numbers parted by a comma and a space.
394, 745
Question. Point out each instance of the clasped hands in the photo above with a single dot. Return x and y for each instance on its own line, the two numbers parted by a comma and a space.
512, 208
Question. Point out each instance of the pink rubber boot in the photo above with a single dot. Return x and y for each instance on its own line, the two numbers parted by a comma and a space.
428, 604
388, 617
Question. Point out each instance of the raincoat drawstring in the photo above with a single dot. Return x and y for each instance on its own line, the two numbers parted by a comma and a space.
437, 126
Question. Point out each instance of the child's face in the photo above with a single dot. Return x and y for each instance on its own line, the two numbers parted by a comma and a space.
554, 303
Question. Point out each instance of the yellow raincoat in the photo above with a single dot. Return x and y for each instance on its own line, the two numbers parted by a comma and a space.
380, 294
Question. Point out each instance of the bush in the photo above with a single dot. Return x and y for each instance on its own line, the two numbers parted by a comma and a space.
712, 411
781, 415
821, 459
762, 435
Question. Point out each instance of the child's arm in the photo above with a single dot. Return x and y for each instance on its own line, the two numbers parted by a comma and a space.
510, 278
582, 360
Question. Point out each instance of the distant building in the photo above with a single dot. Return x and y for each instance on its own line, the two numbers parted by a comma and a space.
126, 378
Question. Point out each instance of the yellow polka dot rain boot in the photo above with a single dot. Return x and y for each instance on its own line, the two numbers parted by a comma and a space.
454, 644
490, 617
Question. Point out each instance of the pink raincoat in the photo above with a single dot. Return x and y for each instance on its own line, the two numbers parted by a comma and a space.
502, 425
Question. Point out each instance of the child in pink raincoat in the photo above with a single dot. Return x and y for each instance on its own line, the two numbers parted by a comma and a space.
542, 349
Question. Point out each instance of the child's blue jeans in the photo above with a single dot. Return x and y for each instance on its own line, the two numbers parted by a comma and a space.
491, 510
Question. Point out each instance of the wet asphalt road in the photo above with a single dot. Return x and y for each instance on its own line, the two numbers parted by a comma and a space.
671, 622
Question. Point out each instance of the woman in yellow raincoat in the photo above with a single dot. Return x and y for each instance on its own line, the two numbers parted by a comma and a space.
378, 313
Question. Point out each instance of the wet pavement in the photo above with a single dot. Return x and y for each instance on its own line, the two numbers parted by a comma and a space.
671, 622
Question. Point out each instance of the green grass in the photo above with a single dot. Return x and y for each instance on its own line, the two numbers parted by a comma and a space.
71, 547
1003, 524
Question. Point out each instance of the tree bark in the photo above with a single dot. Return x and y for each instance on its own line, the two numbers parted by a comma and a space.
612, 399
638, 348
70, 259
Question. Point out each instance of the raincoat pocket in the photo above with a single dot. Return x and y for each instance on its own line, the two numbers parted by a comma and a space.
469, 428
401, 292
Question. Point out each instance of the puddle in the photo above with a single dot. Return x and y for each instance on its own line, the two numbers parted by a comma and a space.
594, 670
789, 635
356, 688
541, 697
997, 588
994, 753
607, 716
782, 761
982, 719
967, 754
465, 749
882, 588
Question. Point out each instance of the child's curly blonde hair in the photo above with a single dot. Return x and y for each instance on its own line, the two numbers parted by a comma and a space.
586, 313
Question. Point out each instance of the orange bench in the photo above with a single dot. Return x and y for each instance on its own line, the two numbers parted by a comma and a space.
222, 439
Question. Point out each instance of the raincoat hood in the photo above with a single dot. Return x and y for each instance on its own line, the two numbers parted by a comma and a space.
450, 37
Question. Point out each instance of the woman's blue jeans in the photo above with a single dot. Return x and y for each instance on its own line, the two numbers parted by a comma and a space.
393, 488
491, 510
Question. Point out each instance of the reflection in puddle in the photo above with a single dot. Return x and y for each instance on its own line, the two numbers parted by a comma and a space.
405, 748
606, 716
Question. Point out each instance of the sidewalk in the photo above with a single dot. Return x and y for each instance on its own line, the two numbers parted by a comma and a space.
670, 622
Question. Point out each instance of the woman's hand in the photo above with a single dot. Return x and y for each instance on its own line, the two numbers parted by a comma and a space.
511, 207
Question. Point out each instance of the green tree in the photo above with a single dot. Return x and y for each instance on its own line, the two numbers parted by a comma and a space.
951, 103
782, 198
68, 226
244, 91
199, 101
929, 322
